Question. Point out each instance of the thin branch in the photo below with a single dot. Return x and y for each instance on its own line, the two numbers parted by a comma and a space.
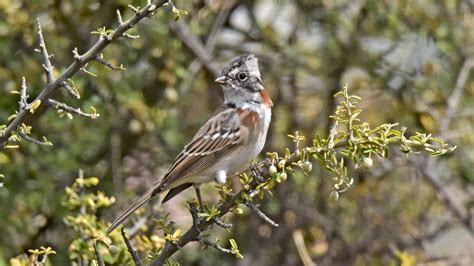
131, 250
33, 140
214, 245
221, 223
100, 59
72, 91
48, 68
130, 36
260, 213
79, 61
84, 69
67, 108
100, 261
136, 9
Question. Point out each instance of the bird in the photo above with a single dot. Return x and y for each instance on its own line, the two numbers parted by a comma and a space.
230, 138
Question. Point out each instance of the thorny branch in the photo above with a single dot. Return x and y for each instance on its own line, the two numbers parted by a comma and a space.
80, 61
48, 68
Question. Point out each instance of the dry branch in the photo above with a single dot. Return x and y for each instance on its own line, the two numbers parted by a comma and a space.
79, 62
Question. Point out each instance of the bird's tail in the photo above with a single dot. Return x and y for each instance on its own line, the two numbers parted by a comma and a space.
135, 205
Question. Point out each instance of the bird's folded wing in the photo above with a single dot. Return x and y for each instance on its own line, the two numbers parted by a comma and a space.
218, 136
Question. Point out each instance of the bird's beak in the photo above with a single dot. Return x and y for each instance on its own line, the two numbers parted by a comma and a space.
221, 80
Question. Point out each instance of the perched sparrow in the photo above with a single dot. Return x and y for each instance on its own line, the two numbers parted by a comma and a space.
231, 137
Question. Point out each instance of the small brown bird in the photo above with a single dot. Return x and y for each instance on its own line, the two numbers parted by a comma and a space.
230, 138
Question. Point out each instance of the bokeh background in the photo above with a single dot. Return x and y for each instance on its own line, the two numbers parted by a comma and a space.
404, 58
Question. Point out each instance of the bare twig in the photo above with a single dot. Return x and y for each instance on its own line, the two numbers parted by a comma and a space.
131, 250
79, 62
130, 36
221, 223
260, 213
72, 91
135, 9
84, 69
214, 245
33, 140
100, 59
100, 261
48, 68
67, 108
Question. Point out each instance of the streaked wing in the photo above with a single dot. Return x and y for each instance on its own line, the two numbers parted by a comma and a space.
215, 138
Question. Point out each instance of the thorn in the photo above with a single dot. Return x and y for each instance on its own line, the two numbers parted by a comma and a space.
119, 17
76, 54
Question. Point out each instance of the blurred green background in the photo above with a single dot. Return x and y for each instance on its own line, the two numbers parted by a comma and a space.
403, 58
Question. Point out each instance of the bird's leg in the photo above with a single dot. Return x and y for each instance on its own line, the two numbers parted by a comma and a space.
198, 193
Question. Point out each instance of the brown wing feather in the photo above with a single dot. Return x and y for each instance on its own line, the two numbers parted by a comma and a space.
214, 138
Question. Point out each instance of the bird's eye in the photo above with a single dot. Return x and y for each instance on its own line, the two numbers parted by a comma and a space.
242, 76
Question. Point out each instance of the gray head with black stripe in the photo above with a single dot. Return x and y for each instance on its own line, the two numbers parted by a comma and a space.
241, 81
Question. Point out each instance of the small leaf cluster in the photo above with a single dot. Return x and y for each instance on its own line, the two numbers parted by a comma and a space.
209, 213
84, 220
235, 249
177, 12
38, 257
